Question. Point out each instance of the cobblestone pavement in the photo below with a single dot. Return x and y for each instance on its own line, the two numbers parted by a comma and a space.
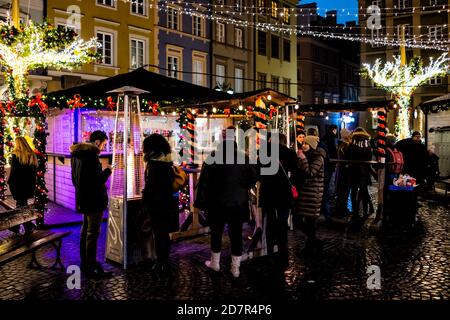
414, 265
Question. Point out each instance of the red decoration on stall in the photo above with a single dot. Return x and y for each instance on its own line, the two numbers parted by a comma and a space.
2, 109
37, 100
10, 105
153, 107
75, 102
111, 104
272, 111
227, 111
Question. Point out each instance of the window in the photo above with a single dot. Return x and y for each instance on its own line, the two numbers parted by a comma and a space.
286, 50
238, 37
261, 4
334, 80
274, 10
138, 7
262, 80
238, 80
275, 83
287, 86
435, 81
403, 4
435, 33
335, 98
317, 97
286, 15
220, 2
262, 43
174, 62
325, 78
317, 78
239, 5
108, 3
377, 3
275, 47
172, 18
220, 32
106, 50
199, 69
197, 26
137, 53
220, 74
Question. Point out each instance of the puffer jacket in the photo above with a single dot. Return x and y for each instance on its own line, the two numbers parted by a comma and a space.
311, 187
22, 180
88, 178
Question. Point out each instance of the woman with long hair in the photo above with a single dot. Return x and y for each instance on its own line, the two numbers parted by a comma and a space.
22, 178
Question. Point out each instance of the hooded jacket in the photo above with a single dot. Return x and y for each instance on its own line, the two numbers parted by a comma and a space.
360, 150
88, 178
22, 180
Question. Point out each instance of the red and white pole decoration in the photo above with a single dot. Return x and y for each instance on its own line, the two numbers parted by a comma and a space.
260, 114
381, 136
191, 134
300, 123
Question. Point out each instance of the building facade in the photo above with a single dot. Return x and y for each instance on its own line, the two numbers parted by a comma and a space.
184, 41
232, 47
125, 30
275, 52
327, 70
423, 19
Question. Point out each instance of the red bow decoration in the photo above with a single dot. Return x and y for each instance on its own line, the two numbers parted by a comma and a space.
2, 109
154, 107
37, 100
227, 111
10, 105
111, 104
75, 102
272, 111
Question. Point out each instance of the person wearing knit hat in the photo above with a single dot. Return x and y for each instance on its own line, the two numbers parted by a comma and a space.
345, 134
312, 141
308, 205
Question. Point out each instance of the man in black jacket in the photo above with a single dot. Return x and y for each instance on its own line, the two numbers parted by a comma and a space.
89, 180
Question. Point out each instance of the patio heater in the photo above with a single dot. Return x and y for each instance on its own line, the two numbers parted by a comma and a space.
125, 243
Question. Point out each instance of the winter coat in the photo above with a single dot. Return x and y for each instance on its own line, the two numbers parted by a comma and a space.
433, 167
22, 180
275, 190
311, 187
360, 150
88, 178
330, 144
157, 197
415, 157
343, 169
225, 187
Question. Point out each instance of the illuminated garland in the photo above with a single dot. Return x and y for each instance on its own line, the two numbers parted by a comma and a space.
40, 46
402, 81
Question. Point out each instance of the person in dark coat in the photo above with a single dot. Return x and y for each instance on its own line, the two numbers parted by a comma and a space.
157, 198
306, 208
343, 174
275, 198
22, 177
224, 188
415, 156
89, 180
360, 150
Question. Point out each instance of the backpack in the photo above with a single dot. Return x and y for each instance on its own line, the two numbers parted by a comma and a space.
397, 159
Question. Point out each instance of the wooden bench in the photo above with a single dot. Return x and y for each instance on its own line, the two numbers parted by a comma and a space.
446, 182
17, 247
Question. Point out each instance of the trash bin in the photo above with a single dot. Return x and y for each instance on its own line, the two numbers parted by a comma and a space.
401, 206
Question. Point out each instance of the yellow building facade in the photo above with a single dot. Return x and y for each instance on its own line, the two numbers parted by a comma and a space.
124, 29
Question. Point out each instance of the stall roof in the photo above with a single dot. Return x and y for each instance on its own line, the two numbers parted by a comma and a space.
161, 88
243, 98
441, 103
347, 106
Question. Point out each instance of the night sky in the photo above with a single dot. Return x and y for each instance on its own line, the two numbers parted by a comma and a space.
347, 5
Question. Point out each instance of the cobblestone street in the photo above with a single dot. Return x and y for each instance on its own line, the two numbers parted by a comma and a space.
414, 265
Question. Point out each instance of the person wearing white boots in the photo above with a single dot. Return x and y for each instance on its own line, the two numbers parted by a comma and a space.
223, 193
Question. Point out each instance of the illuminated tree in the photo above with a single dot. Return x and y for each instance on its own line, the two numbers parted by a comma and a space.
402, 80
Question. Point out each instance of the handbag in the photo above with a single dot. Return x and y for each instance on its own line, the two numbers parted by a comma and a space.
294, 191
180, 179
